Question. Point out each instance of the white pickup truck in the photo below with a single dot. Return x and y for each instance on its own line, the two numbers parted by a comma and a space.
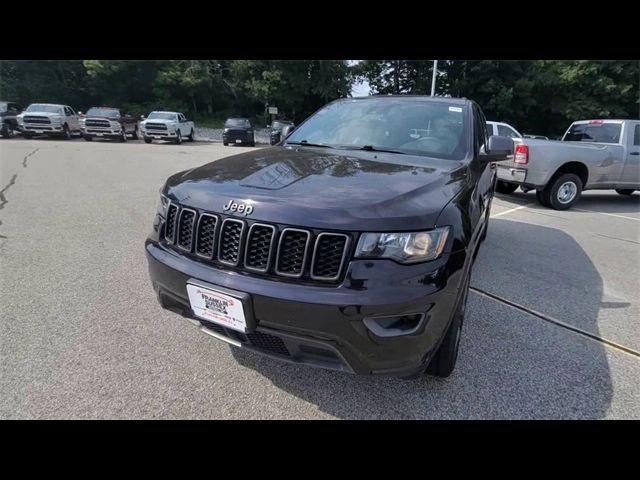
49, 119
167, 126
592, 155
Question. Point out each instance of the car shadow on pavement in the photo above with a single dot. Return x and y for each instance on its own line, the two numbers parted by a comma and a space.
599, 201
511, 364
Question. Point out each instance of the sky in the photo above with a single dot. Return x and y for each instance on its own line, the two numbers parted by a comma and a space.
360, 89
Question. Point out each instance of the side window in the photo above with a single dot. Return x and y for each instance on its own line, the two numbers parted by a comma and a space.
480, 127
505, 131
489, 129
636, 135
181, 117
68, 112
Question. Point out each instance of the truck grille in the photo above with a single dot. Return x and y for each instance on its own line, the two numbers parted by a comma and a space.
37, 119
155, 126
95, 122
258, 247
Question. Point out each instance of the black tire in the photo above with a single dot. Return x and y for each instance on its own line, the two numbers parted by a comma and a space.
135, 135
6, 131
566, 185
87, 139
66, 133
192, 136
123, 136
225, 143
625, 191
541, 199
444, 360
28, 136
178, 137
506, 187
148, 140
252, 144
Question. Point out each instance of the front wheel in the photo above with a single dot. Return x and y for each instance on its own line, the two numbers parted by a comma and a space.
87, 139
563, 191
225, 143
7, 130
444, 360
66, 133
192, 136
148, 140
625, 191
506, 187
123, 136
178, 137
135, 135
28, 136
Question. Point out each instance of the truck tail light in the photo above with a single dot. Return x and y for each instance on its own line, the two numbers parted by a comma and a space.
596, 122
521, 154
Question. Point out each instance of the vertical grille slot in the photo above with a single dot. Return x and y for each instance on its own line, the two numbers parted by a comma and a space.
230, 241
259, 246
170, 225
205, 238
328, 256
292, 252
186, 224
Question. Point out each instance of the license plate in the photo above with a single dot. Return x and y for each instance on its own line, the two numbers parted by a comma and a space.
217, 307
39, 131
157, 136
100, 134
238, 141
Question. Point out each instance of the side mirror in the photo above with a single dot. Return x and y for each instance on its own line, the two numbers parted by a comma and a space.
498, 149
286, 131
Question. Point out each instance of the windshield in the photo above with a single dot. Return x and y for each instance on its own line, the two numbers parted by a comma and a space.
103, 112
161, 116
594, 132
3, 107
405, 125
237, 122
38, 107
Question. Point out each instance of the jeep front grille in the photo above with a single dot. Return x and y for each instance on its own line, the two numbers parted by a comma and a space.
257, 247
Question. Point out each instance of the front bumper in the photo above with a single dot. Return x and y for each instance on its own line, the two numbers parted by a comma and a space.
101, 133
44, 129
159, 134
238, 138
324, 326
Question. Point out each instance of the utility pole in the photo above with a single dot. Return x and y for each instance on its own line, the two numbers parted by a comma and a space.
433, 78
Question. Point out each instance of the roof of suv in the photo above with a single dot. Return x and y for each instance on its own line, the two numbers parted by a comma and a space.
455, 100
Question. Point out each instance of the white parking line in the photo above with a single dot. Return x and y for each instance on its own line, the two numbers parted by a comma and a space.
512, 210
607, 214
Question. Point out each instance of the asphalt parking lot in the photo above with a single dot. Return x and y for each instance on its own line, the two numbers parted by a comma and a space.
552, 329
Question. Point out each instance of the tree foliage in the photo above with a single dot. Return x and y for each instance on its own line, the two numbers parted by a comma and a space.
540, 96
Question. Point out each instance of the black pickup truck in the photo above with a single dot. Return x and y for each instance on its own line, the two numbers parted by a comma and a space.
348, 246
8, 118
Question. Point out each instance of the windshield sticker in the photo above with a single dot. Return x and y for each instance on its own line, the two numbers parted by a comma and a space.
455, 109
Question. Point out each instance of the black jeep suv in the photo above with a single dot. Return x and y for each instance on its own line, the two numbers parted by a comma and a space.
349, 246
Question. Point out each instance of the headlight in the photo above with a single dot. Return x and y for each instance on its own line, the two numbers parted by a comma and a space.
403, 247
82, 121
163, 203
226, 130
56, 119
20, 120
115, 125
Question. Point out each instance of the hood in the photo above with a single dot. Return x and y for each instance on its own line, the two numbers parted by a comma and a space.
101, 117
320, 188
42, 114
146, 120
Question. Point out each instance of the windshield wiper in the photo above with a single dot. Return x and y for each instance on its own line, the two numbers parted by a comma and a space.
304, 143
371, 148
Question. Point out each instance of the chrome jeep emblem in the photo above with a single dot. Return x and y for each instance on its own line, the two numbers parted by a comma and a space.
242, 208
